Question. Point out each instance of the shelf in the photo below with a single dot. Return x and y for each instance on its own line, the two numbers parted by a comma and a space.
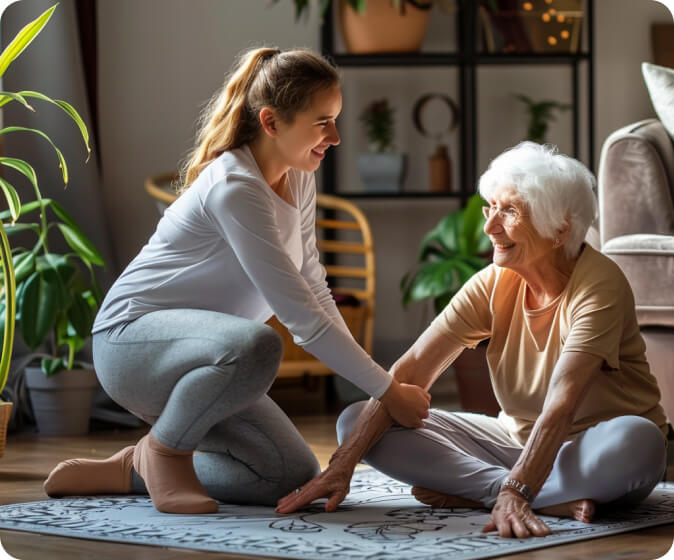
530, 58
400, 194
398, 59
454, 59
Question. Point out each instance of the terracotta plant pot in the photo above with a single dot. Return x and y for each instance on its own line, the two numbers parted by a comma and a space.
382, 28
474, 383
62, 403
5, 413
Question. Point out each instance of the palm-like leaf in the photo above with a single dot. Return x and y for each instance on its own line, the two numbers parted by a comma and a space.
449, 256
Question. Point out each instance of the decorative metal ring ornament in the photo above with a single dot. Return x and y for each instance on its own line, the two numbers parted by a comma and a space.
419, 107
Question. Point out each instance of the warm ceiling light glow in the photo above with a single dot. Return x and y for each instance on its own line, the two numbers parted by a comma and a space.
548, 1
561, 18
552, 40
552, 11
565, 34
545, 17
528, 6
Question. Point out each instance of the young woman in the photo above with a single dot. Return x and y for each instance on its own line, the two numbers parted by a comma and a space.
180, 339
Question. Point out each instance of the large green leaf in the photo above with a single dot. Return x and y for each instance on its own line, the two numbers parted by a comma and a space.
13, 229
69, 110
62, 161
23, 38
24, 266
473, 224
39, 307
79, 243
25, 209
81, 316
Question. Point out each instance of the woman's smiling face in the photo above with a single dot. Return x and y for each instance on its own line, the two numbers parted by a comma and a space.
517, 244
303, 142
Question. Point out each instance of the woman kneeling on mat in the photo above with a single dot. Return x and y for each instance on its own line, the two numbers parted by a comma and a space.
180, 339
580, 423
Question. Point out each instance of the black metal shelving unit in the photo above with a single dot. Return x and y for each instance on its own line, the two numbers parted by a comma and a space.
468, 59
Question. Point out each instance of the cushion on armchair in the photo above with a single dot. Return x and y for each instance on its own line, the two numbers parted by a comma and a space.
648, 263
660, 83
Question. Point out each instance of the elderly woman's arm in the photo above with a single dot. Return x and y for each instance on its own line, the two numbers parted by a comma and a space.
421, 365
571, 379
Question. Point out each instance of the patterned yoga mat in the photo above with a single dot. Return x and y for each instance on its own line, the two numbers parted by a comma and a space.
379, 519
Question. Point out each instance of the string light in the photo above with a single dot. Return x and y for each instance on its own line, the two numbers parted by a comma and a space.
545, 17
552, 40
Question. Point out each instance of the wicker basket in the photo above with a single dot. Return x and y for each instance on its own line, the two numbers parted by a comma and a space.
5, 413
354, 317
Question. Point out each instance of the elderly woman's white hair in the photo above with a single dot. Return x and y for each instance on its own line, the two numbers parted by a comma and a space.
556, 189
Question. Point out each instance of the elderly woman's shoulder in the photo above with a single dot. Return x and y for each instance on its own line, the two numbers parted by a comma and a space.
595, 267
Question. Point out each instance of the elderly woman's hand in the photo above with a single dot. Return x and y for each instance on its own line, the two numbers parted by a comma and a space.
332, 483
406, 404
512, 516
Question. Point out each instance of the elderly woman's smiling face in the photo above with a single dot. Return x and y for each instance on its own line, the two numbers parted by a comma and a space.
517, 244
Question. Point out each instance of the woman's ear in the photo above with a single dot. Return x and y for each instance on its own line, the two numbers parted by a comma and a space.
562, 235
268, 121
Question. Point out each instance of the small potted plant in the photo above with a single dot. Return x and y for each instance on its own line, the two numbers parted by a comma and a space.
40, 290
382, 169
540, 114
450, 254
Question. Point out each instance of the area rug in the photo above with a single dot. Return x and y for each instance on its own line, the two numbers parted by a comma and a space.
379, 519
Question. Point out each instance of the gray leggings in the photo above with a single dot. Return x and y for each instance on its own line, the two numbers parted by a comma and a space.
200, 378
470, 455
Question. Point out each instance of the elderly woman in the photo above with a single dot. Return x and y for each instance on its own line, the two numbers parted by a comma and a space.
580, 422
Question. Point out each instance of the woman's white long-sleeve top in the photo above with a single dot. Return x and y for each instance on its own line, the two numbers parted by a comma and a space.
231, 244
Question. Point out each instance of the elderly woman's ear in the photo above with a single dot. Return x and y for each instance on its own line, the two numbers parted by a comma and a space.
561, 236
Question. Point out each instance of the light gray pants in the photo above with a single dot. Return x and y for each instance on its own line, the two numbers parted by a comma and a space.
200, 378
470, 455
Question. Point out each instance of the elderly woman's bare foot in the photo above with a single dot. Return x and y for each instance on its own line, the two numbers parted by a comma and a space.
580, 510
439, 500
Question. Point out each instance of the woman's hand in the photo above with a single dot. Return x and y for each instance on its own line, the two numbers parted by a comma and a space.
332, 483
512, 516
407, 404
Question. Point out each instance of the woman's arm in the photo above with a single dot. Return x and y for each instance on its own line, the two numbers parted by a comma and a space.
421, 365
570, 382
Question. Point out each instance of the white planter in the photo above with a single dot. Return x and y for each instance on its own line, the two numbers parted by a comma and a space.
62, 402
382, 172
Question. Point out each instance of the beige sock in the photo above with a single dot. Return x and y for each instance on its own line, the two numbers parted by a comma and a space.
82, 477
170, 478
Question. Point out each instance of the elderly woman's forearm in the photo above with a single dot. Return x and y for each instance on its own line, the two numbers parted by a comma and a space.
371, 425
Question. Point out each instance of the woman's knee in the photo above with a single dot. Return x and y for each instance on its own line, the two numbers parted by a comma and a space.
633, 442
260, 350
347, 420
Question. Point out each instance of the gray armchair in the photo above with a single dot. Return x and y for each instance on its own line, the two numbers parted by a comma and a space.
636, 227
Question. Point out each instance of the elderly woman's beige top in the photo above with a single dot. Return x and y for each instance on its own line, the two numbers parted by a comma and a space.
594, 314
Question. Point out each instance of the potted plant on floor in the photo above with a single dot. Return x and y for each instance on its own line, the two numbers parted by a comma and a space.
382, 169
450, 254
18, 266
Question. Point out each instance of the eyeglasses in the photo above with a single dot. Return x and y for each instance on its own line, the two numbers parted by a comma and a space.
508, 216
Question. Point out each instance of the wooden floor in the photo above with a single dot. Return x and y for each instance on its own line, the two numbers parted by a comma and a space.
28, 458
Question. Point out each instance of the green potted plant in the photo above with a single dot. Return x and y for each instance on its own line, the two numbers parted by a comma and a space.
540, 114
449, 255
378, 26
381, 169
41, 291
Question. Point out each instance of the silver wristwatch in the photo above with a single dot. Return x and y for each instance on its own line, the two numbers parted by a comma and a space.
519, 487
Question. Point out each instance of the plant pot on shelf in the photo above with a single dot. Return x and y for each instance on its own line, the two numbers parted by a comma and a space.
62, 402
382, 172
5, 413
384, 26
474, 383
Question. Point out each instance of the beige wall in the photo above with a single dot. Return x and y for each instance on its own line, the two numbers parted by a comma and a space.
161, 59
